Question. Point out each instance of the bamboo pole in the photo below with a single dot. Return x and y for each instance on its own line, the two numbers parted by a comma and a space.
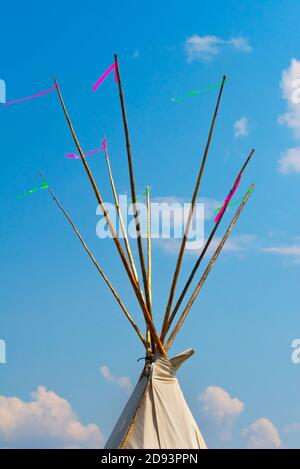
190, 215
149, 270
149, 256
206, 272
127, 245
203, 252
132, 185
135, 287
97, 266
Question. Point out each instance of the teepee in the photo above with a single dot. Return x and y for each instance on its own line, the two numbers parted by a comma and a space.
156, 414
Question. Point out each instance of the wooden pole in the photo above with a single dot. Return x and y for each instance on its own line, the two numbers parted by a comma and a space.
149, 269
127, 245
149, 256
190, 215
206, 272
135, 287
132, 185
97, 266
203, 252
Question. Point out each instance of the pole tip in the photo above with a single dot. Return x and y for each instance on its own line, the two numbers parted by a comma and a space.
224, 77
116, 57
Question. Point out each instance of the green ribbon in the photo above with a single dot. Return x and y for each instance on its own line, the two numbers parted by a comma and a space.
44, 186
192, 93
139, 197
236, 201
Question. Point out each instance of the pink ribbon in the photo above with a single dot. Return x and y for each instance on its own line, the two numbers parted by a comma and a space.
105, 74
228, 198
92, 152
31, 97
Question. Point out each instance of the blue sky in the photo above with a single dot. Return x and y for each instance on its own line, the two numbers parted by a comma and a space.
58, 320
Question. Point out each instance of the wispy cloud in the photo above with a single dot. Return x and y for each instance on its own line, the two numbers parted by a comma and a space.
240, 43
291, 251
241, 127
262, 434
206, 48
122, 381
220, 410
48, 421
237, 244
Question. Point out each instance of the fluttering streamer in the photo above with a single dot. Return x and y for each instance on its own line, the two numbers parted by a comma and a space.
235, 202
192, 93
227, 200
139, 197
30, 97
92, 152
44, 186
105, 74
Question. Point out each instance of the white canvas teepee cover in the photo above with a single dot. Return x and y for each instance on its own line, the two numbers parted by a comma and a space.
157, 415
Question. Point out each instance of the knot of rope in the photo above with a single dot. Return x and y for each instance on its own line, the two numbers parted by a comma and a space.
146, 358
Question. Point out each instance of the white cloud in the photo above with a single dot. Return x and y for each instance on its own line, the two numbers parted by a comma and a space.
290, 161
48, 421
122, 381
205, 48
262, 434
241, 127
290, 86
202, 48
220, 409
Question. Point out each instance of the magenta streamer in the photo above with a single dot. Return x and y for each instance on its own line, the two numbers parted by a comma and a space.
228, 198
31, 97
105, 74
92, 152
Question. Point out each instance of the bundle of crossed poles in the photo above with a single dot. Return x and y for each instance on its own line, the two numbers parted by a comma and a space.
153, 340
